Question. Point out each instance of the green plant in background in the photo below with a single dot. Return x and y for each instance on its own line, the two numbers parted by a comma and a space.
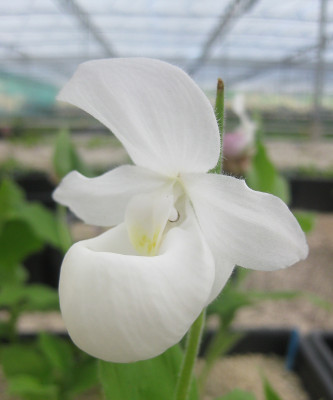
24, 229
151, 379
263, 176
238, 394
43, 366
66, 158
47, 367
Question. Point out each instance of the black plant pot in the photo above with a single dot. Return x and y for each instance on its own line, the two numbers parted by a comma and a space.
44, 266
37, 187
312, 193
319, 349
286, 343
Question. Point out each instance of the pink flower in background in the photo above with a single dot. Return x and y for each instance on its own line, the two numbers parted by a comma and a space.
234, 144
242, 139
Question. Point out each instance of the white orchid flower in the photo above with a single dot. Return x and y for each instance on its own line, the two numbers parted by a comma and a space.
134, 291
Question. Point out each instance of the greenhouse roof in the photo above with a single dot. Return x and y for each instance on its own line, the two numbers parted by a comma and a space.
253, 45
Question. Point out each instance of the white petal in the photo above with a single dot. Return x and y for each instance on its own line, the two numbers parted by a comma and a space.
123, 308
252, 229
159, 114
103, 200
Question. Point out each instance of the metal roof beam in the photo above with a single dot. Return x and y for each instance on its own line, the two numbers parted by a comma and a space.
234, 10
159, 15
214, 62
25, 59
319, 77
86, 22
290, 60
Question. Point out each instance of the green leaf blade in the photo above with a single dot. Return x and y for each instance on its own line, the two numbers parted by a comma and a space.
17, 241
57, 351
237, 394
66, 158
270, 393
264, 177
151, 379
29, 388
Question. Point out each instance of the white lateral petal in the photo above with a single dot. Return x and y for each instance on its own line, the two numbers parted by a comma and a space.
160, 115
123, 308
252, 229
103, 200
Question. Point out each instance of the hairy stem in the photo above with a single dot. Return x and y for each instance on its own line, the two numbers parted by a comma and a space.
219, 113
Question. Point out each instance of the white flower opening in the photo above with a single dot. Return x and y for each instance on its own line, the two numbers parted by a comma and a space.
134, 291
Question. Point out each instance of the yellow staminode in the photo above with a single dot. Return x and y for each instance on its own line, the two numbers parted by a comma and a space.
146, 218
144, 243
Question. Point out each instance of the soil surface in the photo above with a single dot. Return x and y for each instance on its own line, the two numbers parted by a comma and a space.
246, 372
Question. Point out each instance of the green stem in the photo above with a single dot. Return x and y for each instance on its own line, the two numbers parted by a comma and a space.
191, 352
219, 114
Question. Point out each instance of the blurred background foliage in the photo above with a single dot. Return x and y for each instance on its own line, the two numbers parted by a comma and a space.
278, 54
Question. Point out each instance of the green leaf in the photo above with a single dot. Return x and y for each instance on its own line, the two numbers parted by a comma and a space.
29, 388
40, 298
85, 376
228, 303
151, 379
290, 295
264, 177
29, 298
66, 158
57, 351
24, 359
318, 301
11, 197
42, 222
12, 274
277, 295
17, 241
306, 220
11, 295
237, 394
232, 299
270, 393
